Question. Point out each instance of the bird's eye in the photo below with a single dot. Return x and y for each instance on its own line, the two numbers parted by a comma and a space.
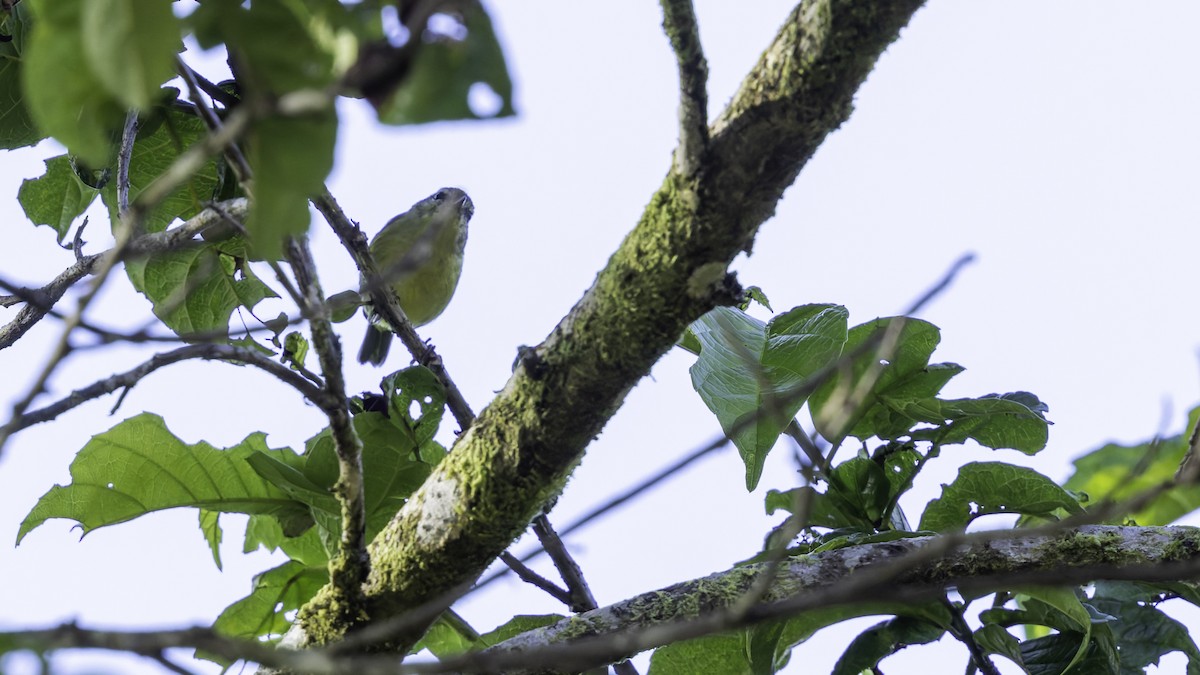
439, 195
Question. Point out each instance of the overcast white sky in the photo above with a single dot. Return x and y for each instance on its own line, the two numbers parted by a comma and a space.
1057, 141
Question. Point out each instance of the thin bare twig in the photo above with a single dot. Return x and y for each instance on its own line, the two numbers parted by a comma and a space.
581, 598
615, 502
534, 579
129, 378
233, 153
348, 570
679, 22
128, 136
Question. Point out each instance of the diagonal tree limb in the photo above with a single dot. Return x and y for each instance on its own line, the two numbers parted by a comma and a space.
668, 271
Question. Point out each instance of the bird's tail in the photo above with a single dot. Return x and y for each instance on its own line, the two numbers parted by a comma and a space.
375, 345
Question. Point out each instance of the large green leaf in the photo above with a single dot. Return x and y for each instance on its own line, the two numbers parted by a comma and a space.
17, 129
983, 488
139, 467
748, 372
290, 157
196, 288
904, 379
278, 51
278, 44
1118, 472
64, 95
131, 47
446, 69
57, 197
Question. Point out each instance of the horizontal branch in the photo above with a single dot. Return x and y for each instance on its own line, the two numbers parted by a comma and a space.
984, 563
39, 302
913, 570
129, 378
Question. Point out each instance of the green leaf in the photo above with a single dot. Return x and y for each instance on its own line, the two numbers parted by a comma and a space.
195, 289
57, 197
416, 403
295, 349
139, 467
862, 488
1064, 601
724, 653
294, 483
65, 98
521, 623
748, 372
276, 592
1067, 604
210, 525
902, 380
756, 294
444, 639
131, 46
446, 69
800, 628
392, 467
164, 134
765, 648
290, 158
841, 540
17, 129
276, 43
882, 640
1144, 633
278, 51
1014, 420
995, 487
1118, 472
994, 639
1054, 654
823, 510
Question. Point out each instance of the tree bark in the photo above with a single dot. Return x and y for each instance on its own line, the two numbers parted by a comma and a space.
667, 272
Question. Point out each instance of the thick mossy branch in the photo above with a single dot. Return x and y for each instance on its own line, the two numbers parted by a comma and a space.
701, 606
667, 272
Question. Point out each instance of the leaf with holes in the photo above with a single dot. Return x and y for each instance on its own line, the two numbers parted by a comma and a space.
984, 488
457, 73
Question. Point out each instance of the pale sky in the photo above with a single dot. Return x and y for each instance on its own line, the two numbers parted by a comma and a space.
1057, 141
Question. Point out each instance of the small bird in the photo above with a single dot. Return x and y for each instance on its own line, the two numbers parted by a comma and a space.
420, 252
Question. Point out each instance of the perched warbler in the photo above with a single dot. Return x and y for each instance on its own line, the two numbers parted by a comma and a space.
420, 252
